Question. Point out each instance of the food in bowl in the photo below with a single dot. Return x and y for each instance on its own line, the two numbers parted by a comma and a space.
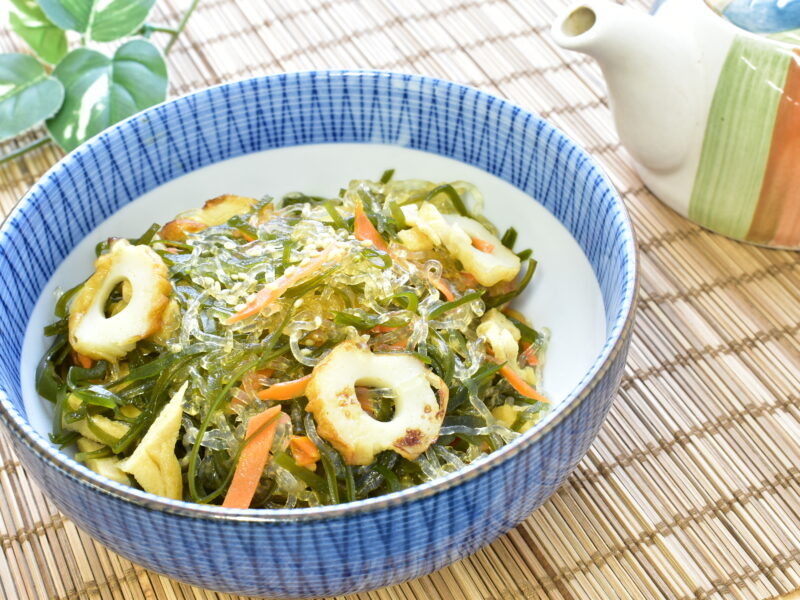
300, 352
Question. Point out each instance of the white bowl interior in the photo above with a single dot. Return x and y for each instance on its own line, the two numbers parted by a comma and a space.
564, 295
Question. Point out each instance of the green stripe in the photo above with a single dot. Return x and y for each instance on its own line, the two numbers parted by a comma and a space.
791, 37
738, 136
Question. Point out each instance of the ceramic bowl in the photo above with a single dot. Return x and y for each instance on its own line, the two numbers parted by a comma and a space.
312, 132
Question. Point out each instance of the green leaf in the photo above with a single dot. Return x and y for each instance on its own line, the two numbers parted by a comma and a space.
27, 94
47, 40
101, 91
27, 7
99, 20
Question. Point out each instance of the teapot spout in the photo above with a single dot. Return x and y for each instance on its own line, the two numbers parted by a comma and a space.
653, 77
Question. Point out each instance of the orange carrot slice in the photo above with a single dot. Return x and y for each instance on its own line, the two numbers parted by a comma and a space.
441, 285
285, 390
522, 386
468, 279
83, 361
251, 380
305, 452
400, 344
274, 290
250, 384
253, 459
365, 230
362, 395
482, 245
529, 354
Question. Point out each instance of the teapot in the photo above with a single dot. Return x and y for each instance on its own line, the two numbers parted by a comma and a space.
706, 99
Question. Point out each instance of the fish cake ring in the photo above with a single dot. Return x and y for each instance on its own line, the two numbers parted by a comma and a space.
355, 434
97, 336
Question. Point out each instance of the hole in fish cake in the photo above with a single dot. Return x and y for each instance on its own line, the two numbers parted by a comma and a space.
118, 299
377, 401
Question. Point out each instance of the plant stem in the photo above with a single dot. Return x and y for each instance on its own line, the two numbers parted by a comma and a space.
181, 25
147, 29
25, 149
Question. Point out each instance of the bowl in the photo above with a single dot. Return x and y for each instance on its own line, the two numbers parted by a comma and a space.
313, 131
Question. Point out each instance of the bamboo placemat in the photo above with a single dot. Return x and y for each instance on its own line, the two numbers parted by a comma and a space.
692, 489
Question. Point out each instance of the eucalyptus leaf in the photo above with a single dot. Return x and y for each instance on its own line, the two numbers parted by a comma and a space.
46, 39
98, 20
27, 94
101, 91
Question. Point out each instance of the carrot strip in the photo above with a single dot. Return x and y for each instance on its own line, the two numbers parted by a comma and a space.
521, 385
253, 459
362, 395
251, 379
441, 285
468, 279
482, 245
529, 354
363, 229
83, 361
383, 328
304, 451
272, 291
249, 384
398, 345
285, 390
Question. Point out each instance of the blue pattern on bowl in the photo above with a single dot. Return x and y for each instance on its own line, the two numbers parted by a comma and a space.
371, 543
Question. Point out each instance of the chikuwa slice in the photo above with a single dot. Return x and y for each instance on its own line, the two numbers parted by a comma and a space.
480, 252
146, 290
356, 435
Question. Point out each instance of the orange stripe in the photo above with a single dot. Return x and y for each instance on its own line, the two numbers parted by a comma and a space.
777, 216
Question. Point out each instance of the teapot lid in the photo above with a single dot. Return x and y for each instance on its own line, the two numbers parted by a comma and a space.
776, 19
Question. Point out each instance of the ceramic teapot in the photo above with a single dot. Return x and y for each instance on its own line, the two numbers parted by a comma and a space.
706, 98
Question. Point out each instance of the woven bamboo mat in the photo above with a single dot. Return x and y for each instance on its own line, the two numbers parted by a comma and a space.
692, 489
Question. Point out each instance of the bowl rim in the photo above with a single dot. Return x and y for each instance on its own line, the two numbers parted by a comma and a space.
615, 343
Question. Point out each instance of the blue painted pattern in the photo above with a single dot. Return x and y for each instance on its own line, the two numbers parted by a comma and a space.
764, 16
371, 543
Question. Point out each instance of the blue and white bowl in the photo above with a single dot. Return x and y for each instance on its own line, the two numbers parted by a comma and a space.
314, 131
